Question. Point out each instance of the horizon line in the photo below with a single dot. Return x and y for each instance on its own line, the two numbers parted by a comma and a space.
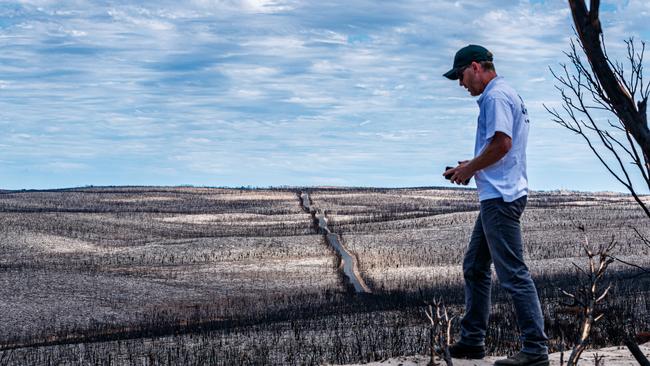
290, 187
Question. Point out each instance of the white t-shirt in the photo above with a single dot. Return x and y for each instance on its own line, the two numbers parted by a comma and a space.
502, 109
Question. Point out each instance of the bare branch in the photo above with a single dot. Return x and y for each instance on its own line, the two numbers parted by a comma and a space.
643, 238
644, 270
589, 32
609, 143
587, 296
604, 294
439, 332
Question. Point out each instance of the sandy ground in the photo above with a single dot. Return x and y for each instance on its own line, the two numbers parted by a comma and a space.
613, 356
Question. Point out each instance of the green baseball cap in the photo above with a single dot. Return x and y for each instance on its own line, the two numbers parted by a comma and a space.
466, 56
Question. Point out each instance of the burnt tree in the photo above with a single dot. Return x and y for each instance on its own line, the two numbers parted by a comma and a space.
603, 86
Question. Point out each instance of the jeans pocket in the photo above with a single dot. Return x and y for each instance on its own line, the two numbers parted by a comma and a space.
512, 210
519, 205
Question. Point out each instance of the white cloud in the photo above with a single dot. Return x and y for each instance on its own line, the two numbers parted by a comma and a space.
253, 6
267, 6
282, 45
314, 101
141, 20
248, 94
326, 67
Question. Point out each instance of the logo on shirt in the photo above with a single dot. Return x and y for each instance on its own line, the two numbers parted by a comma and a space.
524, 111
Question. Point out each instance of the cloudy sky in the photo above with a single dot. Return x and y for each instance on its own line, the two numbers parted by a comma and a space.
269, 93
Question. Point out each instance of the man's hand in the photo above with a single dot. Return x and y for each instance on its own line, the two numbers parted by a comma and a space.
460, 174
495, 150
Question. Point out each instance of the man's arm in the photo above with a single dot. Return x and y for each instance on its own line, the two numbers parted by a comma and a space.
495, 150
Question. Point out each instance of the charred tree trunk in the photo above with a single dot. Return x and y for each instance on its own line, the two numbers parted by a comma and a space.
632, 115
636, 352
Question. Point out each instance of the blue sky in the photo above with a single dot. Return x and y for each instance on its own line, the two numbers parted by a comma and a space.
268, 93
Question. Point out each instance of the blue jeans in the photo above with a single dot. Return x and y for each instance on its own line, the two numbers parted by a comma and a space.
497, 238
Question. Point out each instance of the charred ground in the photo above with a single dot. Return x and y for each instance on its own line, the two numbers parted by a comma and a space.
150, 275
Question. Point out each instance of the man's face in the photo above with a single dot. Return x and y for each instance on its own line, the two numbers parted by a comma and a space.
468, 78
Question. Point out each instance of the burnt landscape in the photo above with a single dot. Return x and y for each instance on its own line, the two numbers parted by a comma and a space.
166, 276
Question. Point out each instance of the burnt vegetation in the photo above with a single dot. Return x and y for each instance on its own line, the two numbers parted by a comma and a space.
165, 276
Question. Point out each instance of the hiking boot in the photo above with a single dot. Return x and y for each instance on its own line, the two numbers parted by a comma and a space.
461, 350
524, 359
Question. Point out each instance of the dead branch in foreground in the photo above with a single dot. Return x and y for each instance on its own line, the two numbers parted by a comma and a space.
439, 332
589, 295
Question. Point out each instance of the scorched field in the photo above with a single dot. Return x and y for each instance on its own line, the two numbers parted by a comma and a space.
183, 275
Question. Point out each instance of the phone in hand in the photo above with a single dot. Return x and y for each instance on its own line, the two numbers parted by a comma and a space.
448, 176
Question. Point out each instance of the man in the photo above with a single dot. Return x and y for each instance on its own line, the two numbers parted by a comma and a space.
499, 168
